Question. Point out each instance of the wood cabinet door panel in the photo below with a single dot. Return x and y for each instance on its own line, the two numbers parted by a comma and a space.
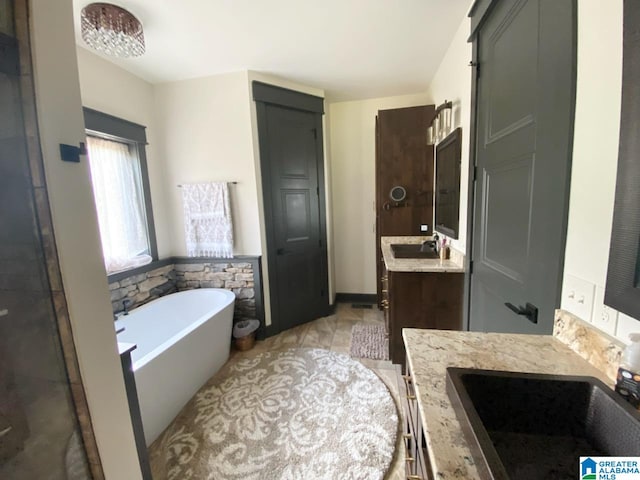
403, 158
422, 300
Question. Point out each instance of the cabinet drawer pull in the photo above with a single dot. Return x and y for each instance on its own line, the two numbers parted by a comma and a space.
384, 291
5, 431
408, 381
407, 456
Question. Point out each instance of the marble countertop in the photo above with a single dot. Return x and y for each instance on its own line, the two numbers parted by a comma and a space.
455, 264
430, 352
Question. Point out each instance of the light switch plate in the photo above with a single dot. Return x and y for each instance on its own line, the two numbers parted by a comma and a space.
577, 297
424, 228
604, 317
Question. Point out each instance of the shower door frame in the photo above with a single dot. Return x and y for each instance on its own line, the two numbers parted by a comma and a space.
44, 225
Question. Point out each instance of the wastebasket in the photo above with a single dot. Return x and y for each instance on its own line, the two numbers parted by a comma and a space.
244, 333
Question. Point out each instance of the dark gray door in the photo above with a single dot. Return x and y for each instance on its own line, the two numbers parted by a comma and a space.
292, 166
525, 106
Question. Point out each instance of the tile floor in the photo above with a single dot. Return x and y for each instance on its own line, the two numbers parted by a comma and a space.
334, 333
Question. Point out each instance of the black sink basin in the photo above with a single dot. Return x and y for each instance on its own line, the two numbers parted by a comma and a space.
414, 250
531, 426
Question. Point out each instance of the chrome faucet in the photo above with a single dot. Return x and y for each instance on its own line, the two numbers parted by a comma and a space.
429, 246
126, 303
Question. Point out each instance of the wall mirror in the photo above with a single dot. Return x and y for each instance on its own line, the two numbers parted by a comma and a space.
623, 275
448, 157
398, 193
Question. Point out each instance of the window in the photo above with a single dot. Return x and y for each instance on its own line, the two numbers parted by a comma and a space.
120, 189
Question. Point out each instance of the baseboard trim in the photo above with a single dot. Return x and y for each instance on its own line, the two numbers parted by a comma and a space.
356, 298
267, 331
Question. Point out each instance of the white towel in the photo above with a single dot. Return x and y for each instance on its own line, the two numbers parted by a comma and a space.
208, 228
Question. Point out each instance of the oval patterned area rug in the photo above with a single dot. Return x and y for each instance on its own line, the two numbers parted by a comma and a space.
287, 415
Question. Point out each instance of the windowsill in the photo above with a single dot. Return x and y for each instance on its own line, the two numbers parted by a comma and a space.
116, 277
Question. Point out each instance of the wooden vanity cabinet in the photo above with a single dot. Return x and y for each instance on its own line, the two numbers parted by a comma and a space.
421, 300
404, 159
384, 302
417, 463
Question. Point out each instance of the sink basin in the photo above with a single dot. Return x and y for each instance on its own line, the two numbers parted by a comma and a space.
414, 250
533, 426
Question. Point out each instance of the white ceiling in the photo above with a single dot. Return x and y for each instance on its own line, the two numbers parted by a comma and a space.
353, 49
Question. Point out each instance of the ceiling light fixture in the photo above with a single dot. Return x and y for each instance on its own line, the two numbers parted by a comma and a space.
112, 30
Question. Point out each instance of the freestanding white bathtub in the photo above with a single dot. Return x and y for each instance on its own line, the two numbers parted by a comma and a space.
183, 339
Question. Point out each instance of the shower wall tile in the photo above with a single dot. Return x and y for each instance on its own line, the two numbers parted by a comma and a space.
66, 337
48, 239
84, 419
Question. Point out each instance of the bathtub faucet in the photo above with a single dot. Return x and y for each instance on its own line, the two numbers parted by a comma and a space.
126, 303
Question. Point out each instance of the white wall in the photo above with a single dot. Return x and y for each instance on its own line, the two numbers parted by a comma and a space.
207, 131
352, 132
595, 157
110, 89
452, 82
76, 230
204, 134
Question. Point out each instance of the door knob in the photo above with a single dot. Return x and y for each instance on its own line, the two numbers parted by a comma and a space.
530, 311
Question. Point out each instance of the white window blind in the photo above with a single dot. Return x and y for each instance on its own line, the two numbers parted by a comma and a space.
117, 189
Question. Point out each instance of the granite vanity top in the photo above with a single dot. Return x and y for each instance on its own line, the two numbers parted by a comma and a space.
455, 264
430, 352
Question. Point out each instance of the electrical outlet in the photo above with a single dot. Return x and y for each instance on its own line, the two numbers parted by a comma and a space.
577, 297
424, 228
604, 317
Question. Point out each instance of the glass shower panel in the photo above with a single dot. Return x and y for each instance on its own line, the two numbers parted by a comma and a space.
39, 434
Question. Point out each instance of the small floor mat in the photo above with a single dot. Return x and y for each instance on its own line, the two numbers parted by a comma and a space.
369, 341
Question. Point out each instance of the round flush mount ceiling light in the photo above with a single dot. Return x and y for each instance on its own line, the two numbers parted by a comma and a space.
112, 30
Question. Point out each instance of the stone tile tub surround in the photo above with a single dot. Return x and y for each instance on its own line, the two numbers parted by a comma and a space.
430, 352
455, 264
240, 275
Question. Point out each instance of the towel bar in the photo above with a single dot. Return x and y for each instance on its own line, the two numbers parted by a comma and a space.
232, 183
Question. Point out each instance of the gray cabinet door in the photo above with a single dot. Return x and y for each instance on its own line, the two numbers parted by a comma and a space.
524, 118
